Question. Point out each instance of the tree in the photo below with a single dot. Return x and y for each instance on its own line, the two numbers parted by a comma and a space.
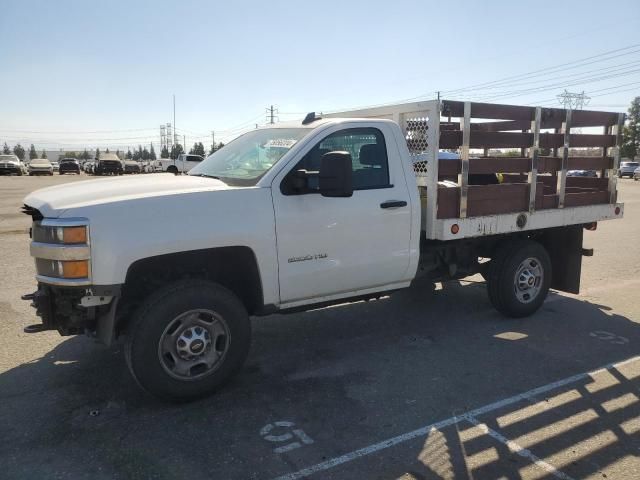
98, 153
197, 149
631, 133
164, 153
107, 150
118, 153
18, 151
70, 155
152, 153
32, 152
129, 155
43, 154
145, 154
85, 155
6, 150
176, 150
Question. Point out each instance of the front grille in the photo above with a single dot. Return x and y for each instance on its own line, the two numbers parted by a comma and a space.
34, 213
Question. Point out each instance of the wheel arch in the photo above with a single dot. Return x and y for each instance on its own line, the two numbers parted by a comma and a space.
234, 267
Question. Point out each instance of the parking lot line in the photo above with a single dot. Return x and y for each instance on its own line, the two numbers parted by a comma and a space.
390, 442
519, 450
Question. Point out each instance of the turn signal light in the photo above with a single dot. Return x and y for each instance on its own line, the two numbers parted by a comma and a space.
74, 234
75, 269
455, 228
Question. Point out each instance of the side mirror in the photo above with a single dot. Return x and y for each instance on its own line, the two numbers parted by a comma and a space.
336, 175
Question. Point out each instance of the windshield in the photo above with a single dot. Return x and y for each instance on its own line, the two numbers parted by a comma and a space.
246, 159
8, 158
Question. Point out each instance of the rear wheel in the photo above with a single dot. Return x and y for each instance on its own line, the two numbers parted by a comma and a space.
187, 339
518, 278
173, 170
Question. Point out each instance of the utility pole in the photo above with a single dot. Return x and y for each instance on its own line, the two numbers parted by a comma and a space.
174, 119
271, 114
184, 142
438, 93
213, 141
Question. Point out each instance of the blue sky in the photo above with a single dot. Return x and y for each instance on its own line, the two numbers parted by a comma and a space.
71, 68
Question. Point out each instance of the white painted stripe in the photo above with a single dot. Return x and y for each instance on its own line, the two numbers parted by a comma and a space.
376, 447
515, 448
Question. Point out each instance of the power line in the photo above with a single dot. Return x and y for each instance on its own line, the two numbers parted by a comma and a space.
547, 70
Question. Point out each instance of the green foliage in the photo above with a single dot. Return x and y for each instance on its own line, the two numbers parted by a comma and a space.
6, 150
32, 152
70, 155
107, 150
215, 148
85, 155
129, 154
18, 151
631, 133
43, 154
145, 154
176, 150
152, 153
98, 153
197, 149
164, 153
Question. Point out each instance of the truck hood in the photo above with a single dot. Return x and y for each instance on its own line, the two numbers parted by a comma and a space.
53, 201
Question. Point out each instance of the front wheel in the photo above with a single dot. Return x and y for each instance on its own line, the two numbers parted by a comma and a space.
519, 277
187, 339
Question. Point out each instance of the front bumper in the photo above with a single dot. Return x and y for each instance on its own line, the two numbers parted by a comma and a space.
10, 169
76, 310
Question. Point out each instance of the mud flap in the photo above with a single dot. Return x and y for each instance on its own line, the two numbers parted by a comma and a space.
564, 246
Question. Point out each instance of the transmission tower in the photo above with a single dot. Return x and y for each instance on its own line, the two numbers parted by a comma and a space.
573, 100
163, 137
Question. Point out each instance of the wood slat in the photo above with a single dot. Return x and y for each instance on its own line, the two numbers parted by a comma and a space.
478, 139
585, 198
551, 117
590, 163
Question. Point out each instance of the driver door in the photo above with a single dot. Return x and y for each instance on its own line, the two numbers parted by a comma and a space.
342, 246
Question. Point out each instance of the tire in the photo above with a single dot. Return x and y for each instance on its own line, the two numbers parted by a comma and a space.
169, 320
173, 170
518, 278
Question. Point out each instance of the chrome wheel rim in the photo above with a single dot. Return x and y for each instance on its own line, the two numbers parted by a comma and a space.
528, 280
194, 344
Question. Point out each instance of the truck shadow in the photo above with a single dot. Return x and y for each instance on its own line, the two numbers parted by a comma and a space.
352, 375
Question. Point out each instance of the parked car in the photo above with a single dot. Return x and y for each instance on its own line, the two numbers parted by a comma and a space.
40, 166
56, 165
627, 169
109, 164
88, 166
69, 165
636, 174
582, 173
131, 166
11, 165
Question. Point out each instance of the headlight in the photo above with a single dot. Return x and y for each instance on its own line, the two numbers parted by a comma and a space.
62, 252
71, 269
60, 235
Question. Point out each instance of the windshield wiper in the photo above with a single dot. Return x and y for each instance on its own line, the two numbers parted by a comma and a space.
204, 175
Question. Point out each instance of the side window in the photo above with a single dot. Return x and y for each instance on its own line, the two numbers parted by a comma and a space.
193, 158
368, 156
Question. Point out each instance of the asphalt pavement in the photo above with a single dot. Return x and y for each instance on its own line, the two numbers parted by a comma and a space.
427, 383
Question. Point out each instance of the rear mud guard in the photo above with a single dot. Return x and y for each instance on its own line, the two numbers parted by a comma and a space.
565, 249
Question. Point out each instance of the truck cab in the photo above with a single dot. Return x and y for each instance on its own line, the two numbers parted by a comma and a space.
184, 163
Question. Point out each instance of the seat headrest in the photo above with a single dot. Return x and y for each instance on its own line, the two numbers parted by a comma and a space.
371, 154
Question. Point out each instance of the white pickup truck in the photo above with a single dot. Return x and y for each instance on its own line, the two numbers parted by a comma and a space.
182, 164
300, 215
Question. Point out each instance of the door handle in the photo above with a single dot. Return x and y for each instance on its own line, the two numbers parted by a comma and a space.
393, 204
